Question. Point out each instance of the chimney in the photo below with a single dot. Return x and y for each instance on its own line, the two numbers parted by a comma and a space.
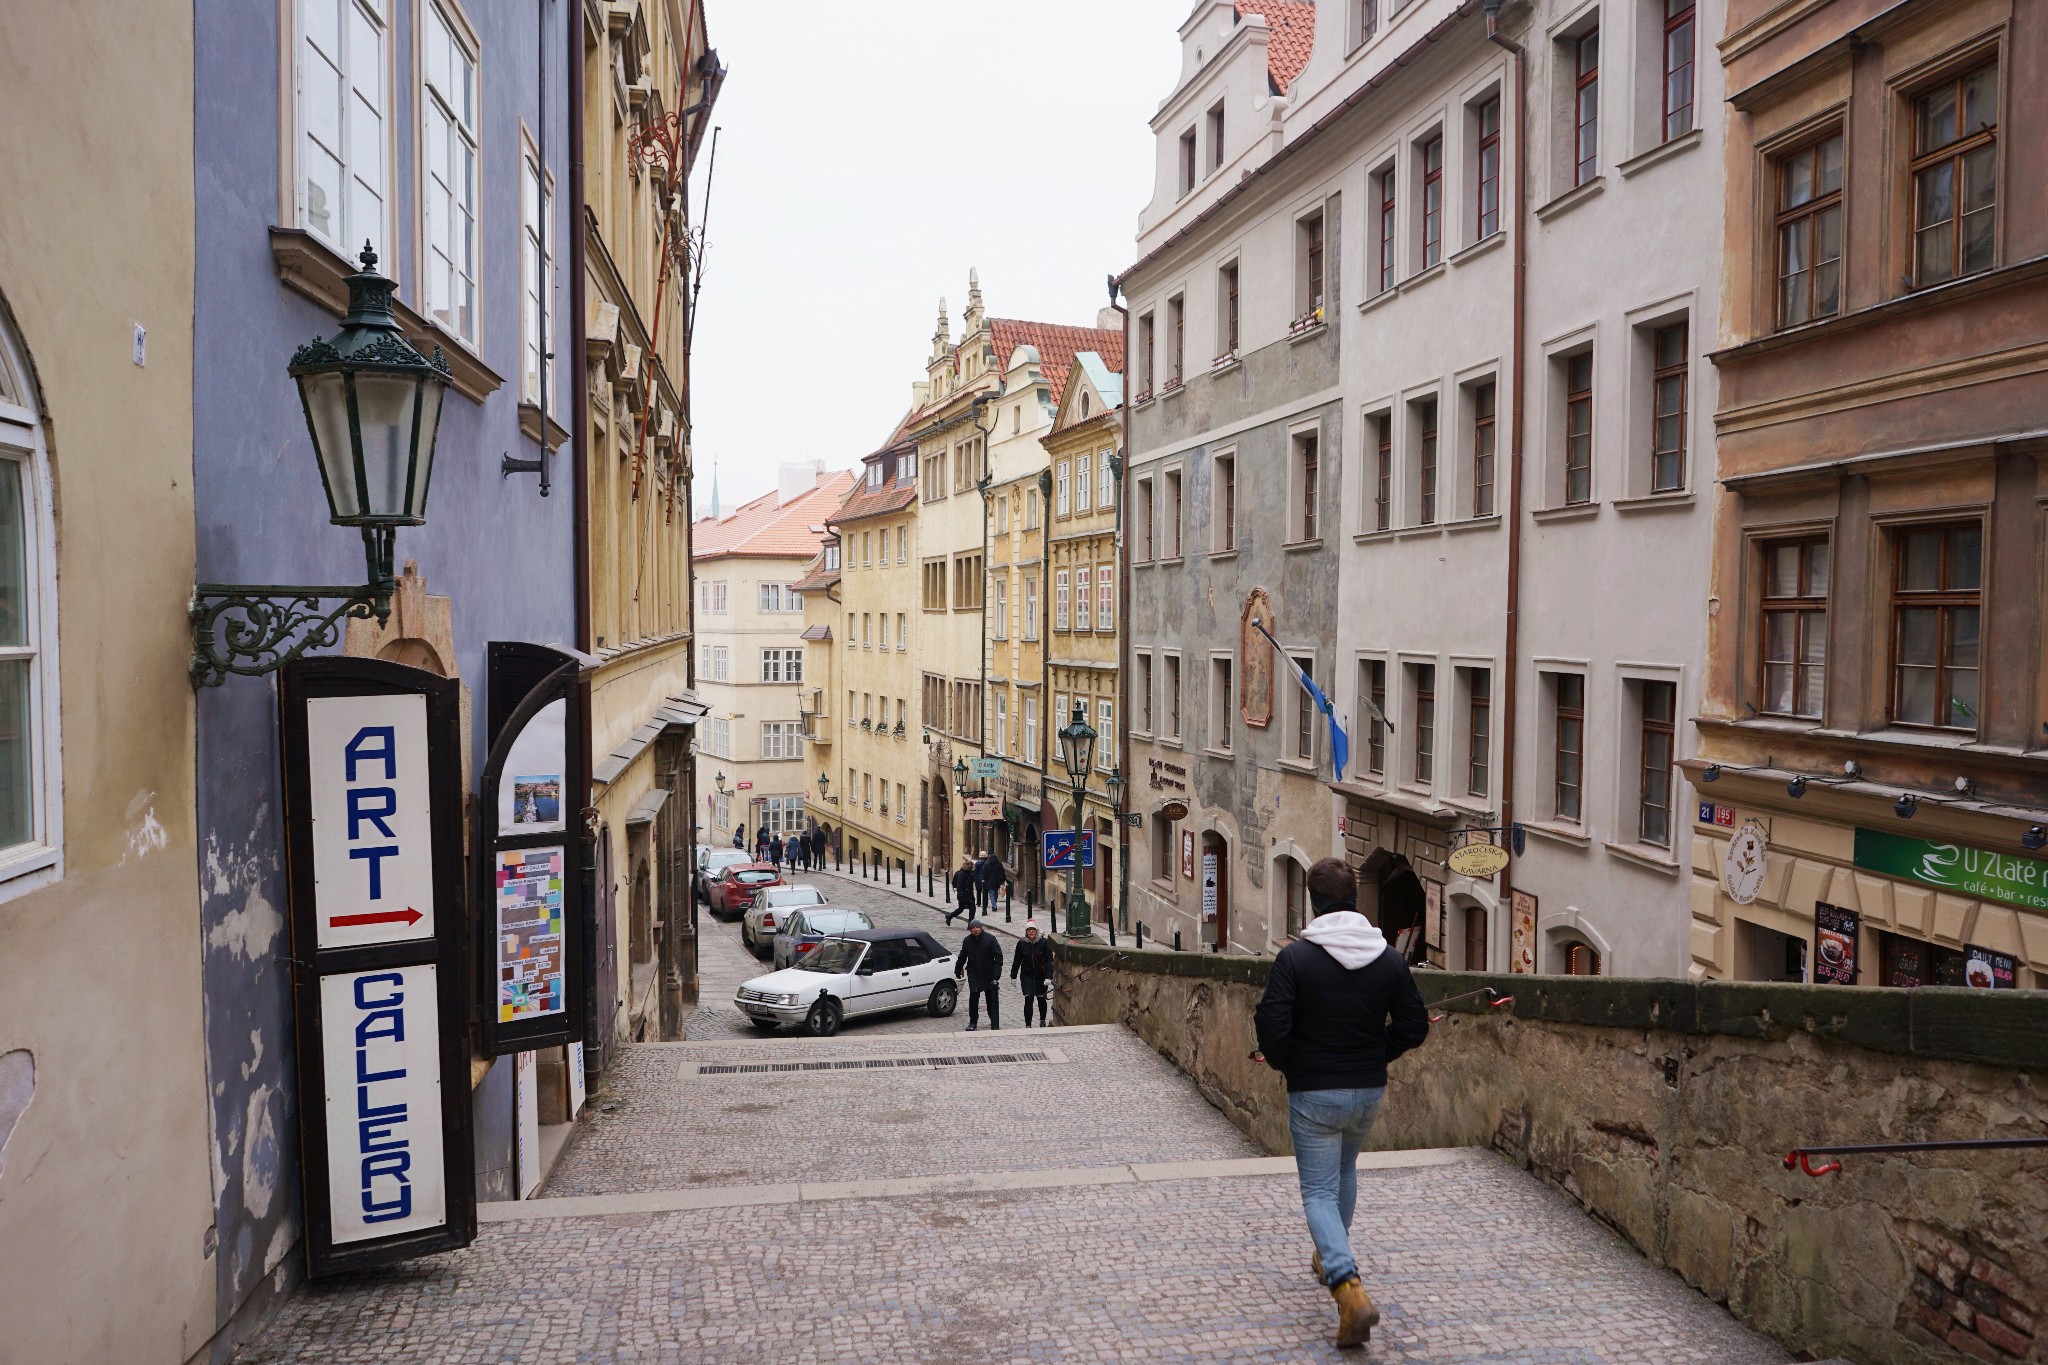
1109, 319
792, 481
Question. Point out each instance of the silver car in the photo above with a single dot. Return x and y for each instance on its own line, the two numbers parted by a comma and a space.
711, 862
757, 926
799, 933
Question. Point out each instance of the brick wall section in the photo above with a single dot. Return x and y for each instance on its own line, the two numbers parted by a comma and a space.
1666, 1107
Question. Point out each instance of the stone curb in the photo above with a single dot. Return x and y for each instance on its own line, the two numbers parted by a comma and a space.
811, 1192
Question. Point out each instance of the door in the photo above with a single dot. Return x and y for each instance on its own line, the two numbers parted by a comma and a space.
878, 977
907, 985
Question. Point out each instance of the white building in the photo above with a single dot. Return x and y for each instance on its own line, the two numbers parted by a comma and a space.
1337, 219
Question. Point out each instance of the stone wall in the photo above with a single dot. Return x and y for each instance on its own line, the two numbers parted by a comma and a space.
1666, 1108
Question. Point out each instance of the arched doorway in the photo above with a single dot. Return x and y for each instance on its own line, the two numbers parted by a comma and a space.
942, 825
1213, 877
1402, 903
642, 908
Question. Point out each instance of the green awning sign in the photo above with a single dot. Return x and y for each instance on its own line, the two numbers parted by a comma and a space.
1956, 867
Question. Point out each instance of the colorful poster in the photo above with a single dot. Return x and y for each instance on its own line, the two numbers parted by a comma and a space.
530, 981
1989, 971
537, 800
1834, 944
1956, 867
1522, 914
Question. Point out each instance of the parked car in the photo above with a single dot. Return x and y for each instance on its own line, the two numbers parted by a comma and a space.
757, 926
734, 889
711, 862
806, 929
862, 972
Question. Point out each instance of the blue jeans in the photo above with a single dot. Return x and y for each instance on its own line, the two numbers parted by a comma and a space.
1328, 1128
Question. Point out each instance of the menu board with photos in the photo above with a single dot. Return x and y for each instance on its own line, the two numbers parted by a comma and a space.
1834, 944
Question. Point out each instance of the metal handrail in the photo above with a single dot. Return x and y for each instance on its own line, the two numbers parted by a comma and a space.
1799, 1157
1494, 1000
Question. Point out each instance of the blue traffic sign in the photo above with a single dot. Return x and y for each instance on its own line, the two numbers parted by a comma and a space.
1059, 849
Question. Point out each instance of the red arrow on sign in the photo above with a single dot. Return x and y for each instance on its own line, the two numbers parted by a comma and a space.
405, 916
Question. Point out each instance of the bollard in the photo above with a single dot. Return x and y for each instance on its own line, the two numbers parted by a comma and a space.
1009, 899
1006, 910
920, 879
1112, 929
1141, 934
1176, 940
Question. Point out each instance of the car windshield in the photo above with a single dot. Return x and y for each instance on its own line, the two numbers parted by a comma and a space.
754, 877
835, 957
836, 921
725, 858
795, 895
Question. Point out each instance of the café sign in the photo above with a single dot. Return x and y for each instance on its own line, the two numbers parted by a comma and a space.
1956, 867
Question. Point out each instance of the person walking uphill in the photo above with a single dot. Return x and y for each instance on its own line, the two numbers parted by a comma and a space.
963, 892
1338, 1007
1031, 968
980, 960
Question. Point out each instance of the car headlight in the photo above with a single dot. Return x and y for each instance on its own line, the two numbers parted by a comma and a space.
786, 998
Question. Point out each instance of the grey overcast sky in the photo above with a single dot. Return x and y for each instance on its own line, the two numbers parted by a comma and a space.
870, 154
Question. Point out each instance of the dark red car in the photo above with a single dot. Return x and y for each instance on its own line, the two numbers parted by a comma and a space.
735, 887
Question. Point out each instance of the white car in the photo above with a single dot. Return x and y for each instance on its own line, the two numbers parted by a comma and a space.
757, 926
863, 972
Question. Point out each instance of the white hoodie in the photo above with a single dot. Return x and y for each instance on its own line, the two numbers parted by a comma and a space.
1348, 936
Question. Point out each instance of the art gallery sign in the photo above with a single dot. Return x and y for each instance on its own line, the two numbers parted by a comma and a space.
373, 837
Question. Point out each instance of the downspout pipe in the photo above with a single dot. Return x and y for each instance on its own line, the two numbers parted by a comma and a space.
1123, 618
1518, 349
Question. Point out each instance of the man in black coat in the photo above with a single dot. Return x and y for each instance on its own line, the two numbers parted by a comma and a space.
1339, 1006
980, 960
963, 892
1031, 968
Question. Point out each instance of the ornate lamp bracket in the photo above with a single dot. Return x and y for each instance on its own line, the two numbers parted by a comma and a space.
256, 628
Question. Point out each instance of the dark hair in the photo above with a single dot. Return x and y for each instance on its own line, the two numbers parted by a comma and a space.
1331, 885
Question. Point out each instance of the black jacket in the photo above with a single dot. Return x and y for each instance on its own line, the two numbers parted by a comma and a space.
963, 886
1031, 960
1326, 1028
980, 959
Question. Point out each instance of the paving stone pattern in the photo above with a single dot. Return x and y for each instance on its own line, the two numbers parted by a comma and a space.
723, 962
1470, 1262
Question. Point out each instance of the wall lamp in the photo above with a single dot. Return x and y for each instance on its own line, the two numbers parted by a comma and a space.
1851, 768
2035, 837
373, 409
1711, 773
1796, 788
1906, 805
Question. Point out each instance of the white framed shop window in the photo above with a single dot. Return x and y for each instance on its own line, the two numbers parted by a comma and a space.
31, 782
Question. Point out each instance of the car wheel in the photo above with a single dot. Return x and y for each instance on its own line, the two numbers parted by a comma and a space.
945, 996
823, 1020
765, 1025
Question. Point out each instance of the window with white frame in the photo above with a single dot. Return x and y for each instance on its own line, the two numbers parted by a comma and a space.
536, 269
448, 171
1081, 484
902, 631
1141, 691
341, 137
1105, 482
1222, 701
1031, 730
711, 597
30, 788
1062, 498
720, 736
1302, 743
721, 663
1001, 625
1105, 729
781, 739
1002, 722
1084, 597
1170, 703
1059, 600
786, 665
1030, 631
778, 597
1105, 595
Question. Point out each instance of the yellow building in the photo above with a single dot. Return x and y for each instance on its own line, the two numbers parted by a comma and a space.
1016, 636
1084, 452
630, 289
870, 758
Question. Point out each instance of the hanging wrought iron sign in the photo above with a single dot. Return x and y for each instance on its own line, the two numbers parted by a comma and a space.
373, 840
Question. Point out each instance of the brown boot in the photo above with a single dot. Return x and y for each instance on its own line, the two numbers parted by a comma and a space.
1356, 1314
1315, 1263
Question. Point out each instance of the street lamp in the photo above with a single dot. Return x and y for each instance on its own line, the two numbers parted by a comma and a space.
1077, 749
373, 409
718, 781
823, 782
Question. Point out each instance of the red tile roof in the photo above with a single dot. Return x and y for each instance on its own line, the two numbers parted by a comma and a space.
1056, 345
1293, 36
789, 530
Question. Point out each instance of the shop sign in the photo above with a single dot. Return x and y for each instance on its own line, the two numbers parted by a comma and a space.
1187, 855
1834, 944
373, 836
1479, 860
1987, 970
1956, 867
1748, 859
743, 786
1522, 941
984, 807
1167, 776
1208, 888
1174, 811
986, 768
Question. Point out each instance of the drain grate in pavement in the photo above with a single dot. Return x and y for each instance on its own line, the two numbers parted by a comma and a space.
875, 1063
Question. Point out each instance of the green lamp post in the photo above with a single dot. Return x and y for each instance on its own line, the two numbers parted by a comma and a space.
1077, 750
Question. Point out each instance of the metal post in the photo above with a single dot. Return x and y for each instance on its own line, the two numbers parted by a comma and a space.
1141, 933
1176, 939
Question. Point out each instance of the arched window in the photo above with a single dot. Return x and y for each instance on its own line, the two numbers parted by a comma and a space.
1581, 959
1294, 894
30, 813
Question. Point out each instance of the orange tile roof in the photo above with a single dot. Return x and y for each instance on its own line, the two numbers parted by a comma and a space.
789, 530
1293, 36
1056, 345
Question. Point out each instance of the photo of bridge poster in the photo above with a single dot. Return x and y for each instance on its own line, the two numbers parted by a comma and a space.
529, 933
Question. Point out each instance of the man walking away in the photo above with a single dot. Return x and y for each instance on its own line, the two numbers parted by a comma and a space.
803, 851
1031, 968
963, 892
1338, 1007
980, 960
775, 850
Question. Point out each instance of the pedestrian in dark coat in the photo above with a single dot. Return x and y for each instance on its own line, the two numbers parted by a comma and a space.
1339, 1006
803, 851
739, 837
775, 850
980, 960
1031, 969
963, 892
990, 877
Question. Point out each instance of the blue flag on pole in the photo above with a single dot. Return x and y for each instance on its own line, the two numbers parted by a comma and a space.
1340, 743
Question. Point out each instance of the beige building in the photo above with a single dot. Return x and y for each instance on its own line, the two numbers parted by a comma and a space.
1082, 651
751, 766
869, 739
641, 67
107, 1169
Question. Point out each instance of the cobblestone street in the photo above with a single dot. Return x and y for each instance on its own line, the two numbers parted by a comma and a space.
1061, 1196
